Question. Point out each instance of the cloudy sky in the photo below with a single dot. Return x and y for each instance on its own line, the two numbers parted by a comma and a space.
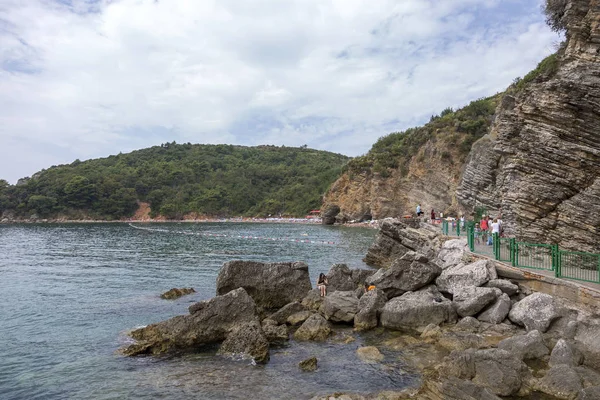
82, 79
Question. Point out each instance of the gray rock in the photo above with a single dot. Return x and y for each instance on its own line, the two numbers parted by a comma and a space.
525, 347
564, 353
460, 276
469, 300
452, 252
588, 341
451, 388
497, 312
342, 278
315, 328
468, 324
328, 216
588, 376
536, 311
284, 312
591, 393
340, 306
396, 238
410, 272
369, 309
313, 300
209, 321
495, 369
247, 340
505, 285
299, 317
414, 310
308, 365
561, 381
274, 332
271, 285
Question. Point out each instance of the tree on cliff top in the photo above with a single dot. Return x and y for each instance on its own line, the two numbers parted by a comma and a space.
555, 11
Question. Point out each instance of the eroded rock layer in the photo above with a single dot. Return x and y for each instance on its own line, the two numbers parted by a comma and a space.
540, 165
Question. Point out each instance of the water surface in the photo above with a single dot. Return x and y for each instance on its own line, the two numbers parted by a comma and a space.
70, 292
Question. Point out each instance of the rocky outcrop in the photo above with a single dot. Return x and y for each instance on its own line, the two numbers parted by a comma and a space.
410, 272
328, 216
176, 293
209, 321
414, 310
396, 238
540, 164
271, 285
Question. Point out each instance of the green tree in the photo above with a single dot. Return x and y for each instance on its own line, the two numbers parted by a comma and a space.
42, 205
79, 192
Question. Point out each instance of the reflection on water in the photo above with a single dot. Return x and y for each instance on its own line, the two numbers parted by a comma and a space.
69, 292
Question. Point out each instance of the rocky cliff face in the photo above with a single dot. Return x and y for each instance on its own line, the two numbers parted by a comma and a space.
540, 164
422, 165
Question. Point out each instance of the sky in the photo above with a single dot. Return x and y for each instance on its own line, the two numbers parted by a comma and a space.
83, 79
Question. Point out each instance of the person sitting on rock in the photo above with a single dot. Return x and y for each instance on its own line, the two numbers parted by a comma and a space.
322, 284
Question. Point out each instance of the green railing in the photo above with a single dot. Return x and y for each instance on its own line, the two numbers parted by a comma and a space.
565, 264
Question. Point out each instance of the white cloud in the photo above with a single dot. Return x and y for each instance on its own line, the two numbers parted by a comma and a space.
96, 78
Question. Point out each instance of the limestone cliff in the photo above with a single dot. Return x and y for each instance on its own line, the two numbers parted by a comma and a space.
422, 165
540, 164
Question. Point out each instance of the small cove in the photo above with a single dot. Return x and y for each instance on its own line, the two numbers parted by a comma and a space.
71, 292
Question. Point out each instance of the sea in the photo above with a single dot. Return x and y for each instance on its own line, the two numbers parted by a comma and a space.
69, 293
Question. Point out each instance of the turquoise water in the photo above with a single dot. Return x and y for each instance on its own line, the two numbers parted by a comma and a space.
69, 293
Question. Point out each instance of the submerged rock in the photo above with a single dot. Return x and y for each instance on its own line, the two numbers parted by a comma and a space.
271, 285
309, 365
247, 340
209, 321
369, 354
176, 293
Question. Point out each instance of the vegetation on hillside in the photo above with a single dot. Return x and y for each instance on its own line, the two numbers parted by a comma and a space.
457, 129
178, 179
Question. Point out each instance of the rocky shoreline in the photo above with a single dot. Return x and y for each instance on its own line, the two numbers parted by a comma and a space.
468, 332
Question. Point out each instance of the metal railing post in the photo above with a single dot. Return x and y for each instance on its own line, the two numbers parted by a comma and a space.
496, 246
513, 251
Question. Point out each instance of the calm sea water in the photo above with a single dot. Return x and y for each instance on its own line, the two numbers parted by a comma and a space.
69, 293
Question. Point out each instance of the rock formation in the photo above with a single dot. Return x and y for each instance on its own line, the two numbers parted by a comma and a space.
540, 165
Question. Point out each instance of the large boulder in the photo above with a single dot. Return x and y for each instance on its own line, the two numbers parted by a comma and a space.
247, 340
564, 353
340, 306
414, 310
497, 312
525, 347
410, 272
209, 321
313, 300
588, 340
369, 308
271, 285
396, 238
561, 381
535, 312
461, 275
315, 328
498, 370
284, 312
471, 299
452, 252
342, 278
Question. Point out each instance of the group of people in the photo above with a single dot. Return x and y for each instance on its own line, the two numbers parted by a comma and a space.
485, 229
322, 284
